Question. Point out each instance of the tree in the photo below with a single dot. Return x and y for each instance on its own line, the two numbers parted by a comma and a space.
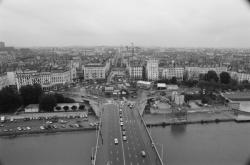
174, 80
81, 107
31, 94
225, 78
59, 98
245, 82
47, 103
9, 100
68, 100
211, 76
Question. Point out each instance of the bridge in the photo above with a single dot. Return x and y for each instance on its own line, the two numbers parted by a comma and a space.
129, 151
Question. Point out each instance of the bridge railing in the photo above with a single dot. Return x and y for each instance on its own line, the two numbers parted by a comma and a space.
160, 162
97, 141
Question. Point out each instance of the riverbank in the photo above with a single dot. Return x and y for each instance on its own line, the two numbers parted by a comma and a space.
194, 118
15, 133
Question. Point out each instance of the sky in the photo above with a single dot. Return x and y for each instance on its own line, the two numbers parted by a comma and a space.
165, 23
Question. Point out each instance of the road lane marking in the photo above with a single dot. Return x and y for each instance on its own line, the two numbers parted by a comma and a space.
124, 162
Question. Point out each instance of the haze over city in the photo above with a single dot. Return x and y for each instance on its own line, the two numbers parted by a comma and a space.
167, 23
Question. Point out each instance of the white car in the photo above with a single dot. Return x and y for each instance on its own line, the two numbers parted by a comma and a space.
121, 123
42, 127
116, 141
124, 138
143, 153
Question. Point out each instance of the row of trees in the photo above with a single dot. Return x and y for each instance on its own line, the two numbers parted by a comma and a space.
10, 99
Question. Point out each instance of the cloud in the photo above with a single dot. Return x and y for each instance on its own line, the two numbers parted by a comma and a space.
115, 22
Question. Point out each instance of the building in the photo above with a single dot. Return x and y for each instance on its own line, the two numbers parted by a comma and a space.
194, 72
4, 80
240, 76
152, 69
169, 73
47, 80
6, 57
31, 108
144, 84
66, 107
96, 70
177, 98
2, 44
135, 69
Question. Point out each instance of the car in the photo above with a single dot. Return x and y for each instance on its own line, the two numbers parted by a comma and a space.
120, 119
28, 128
123, 133
19, 128
124, 138
42, 127
121, 123
143, 153
116, 141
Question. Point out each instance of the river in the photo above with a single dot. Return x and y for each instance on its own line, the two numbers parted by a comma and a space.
208, 144
52, 149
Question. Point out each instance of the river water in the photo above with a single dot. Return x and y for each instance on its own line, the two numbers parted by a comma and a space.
209, 144
54, 149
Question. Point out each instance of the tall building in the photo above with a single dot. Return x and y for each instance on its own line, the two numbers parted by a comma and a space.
152, 69
135, 69
2, 44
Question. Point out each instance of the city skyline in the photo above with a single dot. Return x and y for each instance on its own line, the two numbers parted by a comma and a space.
148, 23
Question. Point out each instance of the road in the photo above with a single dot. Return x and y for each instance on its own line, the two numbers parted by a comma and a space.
125, 152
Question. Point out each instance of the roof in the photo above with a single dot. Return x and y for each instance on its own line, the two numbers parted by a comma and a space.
161, 85
144, 82
32, 106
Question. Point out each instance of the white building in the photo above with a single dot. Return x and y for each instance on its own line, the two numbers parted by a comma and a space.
152, 69
45, 79
177, 99
135, 69
3, 80
96, 70
169, 73
31, 108
240, 76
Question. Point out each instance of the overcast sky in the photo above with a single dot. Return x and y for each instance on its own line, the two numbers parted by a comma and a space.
169, 23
